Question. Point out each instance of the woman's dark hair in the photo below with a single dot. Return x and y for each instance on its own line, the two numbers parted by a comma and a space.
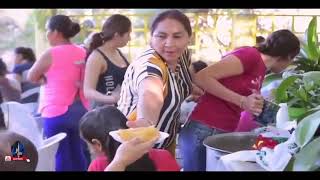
27, 53
63, 24
172, 14
116, 23
282, 43
8, 138
199, 65
97, 124
3, 68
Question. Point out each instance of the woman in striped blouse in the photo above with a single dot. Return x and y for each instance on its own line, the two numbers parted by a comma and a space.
158, 81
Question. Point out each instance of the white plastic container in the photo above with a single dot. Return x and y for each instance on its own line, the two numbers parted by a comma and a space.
282, 118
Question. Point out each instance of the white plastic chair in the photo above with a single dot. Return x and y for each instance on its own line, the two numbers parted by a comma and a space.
32, 107
18, 118
47, 152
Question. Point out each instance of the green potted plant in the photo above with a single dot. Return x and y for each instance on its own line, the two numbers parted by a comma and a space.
308, 59
300, 88
301, 92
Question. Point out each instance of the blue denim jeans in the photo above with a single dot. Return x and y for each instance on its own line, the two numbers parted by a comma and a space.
192, 149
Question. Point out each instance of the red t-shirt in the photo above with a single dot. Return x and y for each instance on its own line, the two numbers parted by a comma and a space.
217, 113
162, 160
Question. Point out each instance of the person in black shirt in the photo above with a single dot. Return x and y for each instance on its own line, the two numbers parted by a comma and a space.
106, 65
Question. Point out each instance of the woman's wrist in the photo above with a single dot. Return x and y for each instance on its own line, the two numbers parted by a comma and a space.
242, 101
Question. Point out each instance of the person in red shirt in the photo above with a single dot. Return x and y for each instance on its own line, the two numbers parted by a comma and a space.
133, 155
231, 86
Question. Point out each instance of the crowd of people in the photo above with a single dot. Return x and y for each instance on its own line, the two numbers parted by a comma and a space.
89, 92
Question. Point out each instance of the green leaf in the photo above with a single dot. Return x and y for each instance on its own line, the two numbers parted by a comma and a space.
306, 128
290, 164
312, 76
308, 158
312, 39
295, 113
281, 92
304, 52
302, 93
307, 113
309, 85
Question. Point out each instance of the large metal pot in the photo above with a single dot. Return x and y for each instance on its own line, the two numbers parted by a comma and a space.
226, 143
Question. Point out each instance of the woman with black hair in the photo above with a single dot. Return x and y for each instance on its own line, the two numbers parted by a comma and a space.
231, 86
106, 65
133, 155
60, 69
158, 81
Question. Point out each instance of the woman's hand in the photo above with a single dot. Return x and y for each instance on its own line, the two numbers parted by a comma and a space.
196, 93
252, 103
129, 152
42, 80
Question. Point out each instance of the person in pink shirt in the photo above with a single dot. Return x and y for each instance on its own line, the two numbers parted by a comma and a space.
61, 70
231, 86
133, 155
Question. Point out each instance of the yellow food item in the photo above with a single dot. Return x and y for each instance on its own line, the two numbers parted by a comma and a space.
145, 133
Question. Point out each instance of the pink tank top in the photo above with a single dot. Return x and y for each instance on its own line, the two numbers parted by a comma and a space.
64, 80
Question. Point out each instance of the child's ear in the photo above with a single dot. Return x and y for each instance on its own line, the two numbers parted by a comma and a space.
96, 145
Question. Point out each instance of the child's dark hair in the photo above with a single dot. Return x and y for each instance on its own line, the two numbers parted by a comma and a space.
7, 139
27, 53
282, 43
63, 24
199, 65
172, 14
97, 124
3, 68
116, 23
